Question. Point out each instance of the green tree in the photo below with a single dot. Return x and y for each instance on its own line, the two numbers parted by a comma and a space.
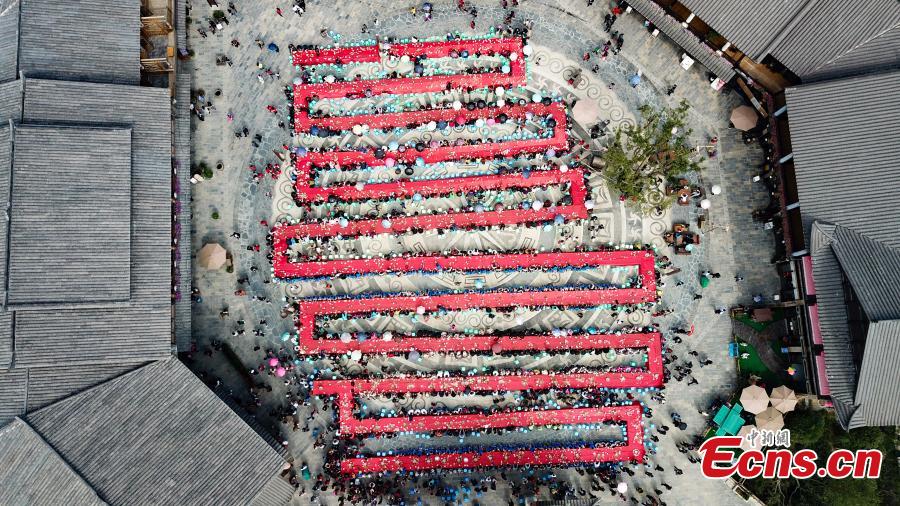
642, 158
807, 427
818, 430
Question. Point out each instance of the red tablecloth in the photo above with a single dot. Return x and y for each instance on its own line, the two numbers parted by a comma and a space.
286, 269
426, 84
633, 449
308, 311
336, 54
437, 49
307, 163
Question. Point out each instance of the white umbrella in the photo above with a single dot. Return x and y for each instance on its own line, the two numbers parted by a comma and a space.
783, 399
585, 111
754, 399
770, 419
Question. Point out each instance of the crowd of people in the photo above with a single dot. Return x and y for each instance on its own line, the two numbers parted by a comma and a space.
281, 373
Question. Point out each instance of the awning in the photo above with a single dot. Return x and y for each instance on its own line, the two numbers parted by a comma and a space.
808, 281
721, 415
824, 389
733, 423
814, 323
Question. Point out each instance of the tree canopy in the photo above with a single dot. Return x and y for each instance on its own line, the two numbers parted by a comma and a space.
818, 430
644, 157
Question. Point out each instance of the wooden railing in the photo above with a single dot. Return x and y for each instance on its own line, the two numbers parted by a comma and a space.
158, 23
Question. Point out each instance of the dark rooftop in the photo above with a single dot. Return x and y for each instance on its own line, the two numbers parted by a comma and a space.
70, 216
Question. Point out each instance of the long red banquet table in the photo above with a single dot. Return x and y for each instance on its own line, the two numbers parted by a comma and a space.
348, 390
287, 269
421, 117
308, 311
336, 55
435, 49
306, 164
352, 426
396, 86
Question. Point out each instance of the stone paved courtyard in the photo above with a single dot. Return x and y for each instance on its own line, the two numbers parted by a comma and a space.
732, 244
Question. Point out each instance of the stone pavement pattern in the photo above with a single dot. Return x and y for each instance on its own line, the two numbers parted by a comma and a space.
562, 32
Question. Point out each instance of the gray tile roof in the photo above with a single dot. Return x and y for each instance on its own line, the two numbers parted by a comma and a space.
830, 29
183, 164
875, 55
749, 24
841, 371
864, 395
5, 171
9, 39
276, 491
26, 389
844, 137
13, 385
55, 353
6, 341
32, 473
879, 378
807, 36
47, 385
873, 271
92, 40
157, 435
10, 102
685, 39
71, 216
140, 332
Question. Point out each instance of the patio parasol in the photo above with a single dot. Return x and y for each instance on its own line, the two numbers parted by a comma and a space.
754, 399
744, 118
585, 112
770, 419
212, 256
783, 399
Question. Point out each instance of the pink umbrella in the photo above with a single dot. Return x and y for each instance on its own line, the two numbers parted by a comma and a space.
744, 118
273, 362
279, 372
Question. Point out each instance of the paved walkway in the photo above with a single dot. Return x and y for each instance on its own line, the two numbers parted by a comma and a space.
563, 30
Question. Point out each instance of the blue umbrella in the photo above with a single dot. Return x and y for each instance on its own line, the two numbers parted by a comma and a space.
273, 47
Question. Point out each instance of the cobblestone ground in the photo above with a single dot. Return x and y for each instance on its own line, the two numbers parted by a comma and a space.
732, 244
